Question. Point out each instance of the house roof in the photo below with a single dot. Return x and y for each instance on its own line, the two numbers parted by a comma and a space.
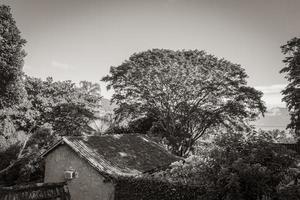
126, 155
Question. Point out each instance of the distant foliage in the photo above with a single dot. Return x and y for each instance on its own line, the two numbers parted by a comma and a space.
187, 93
11, 60
279, 136
292, 73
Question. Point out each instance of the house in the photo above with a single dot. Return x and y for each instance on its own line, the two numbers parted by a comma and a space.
90, 164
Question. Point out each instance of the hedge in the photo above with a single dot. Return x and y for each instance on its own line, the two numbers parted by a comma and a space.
290, 193
129, 188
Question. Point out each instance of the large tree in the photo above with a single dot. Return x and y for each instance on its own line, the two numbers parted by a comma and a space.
185, 93
11, 60
291, 93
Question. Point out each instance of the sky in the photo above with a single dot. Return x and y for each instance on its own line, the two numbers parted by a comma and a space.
80, 39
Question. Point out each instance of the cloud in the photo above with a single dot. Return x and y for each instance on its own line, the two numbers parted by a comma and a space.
272, 95
27, 68
271, 89
60, 65
275, 112
174, 1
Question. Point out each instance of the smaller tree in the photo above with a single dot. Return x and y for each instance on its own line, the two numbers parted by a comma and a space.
90, 88
68, 108
292, 91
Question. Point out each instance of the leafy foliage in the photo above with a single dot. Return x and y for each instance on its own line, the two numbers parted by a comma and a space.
237, 167
141, 126
8, 155
12, 91
30, 167
292, 91
68, 108
26, 167
186, 92
290, 193
11, 60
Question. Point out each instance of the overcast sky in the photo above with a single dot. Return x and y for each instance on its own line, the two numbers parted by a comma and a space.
81, 39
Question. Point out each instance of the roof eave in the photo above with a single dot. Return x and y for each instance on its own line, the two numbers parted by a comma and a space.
61, 141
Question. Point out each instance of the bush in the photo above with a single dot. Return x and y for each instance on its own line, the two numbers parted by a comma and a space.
289, 193
236, 167
130, 188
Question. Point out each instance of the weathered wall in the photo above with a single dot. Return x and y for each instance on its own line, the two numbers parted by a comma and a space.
88, 186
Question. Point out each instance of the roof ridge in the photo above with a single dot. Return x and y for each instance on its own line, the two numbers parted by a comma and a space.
104, 135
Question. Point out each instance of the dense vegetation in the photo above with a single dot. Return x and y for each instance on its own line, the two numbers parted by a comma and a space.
237, 167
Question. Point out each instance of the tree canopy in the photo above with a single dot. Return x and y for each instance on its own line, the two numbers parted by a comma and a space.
186, 93
11, 60
292, 73
12, 91
68, 108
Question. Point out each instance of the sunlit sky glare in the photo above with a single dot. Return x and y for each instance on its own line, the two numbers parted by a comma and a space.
81, 39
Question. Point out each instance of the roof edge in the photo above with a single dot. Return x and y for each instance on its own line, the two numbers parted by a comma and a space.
51, 148
64, 140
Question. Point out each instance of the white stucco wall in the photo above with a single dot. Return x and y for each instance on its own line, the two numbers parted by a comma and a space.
88, 186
